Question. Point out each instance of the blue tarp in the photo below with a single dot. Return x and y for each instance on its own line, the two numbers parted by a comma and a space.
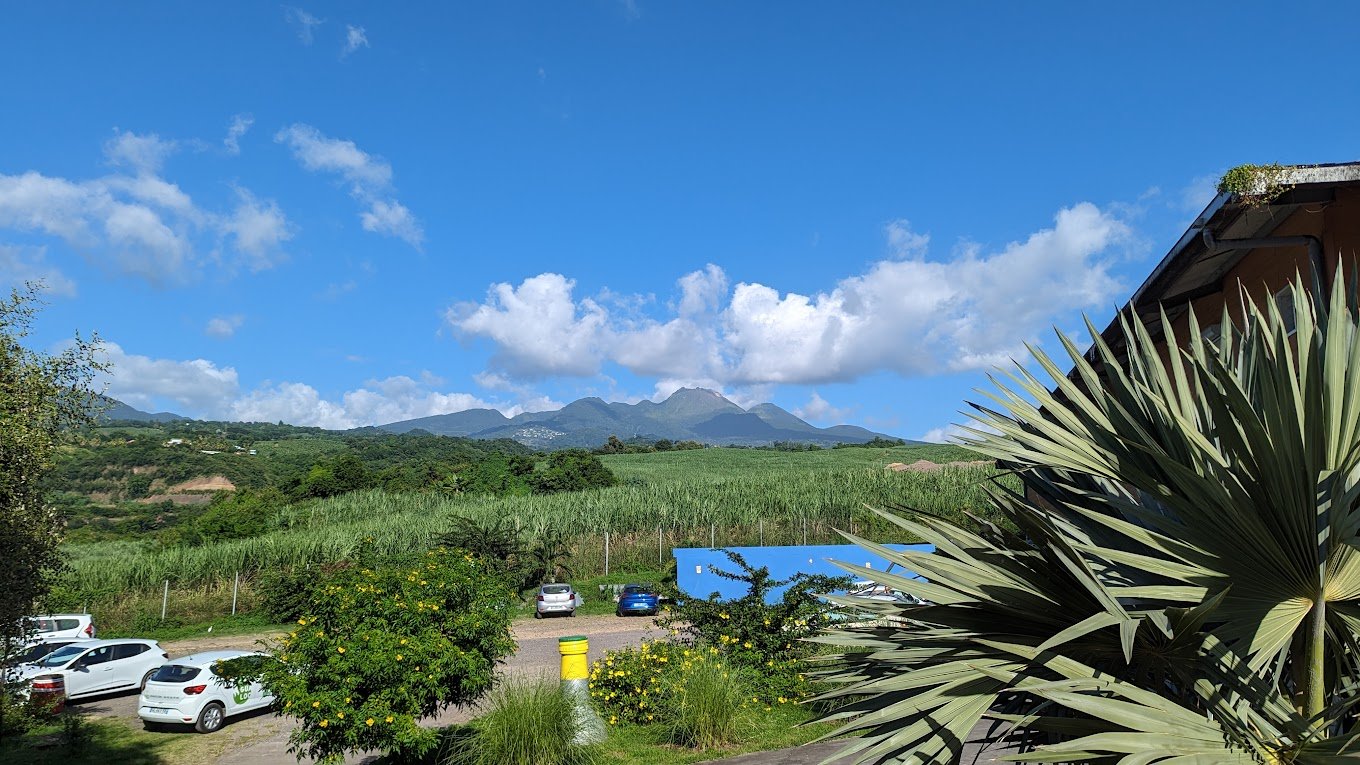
694, 574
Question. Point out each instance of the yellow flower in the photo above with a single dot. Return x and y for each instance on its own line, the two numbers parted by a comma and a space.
369, 721
316, 705
346, 699
324, 723
399, 657
302, 621
341, 649
389, 718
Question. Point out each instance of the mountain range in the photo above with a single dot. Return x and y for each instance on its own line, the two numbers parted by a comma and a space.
689, 414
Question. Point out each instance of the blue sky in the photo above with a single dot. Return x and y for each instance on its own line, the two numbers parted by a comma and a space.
354, 213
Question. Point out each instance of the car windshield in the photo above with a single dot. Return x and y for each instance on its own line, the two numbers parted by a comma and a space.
61, 656
637, 589
556, 589
175, 673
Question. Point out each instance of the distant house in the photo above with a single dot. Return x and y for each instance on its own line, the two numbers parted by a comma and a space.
175, 442
1267, 224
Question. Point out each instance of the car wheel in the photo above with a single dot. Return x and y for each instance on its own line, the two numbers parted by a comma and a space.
211, 718
146, 679
571, 614
538, 614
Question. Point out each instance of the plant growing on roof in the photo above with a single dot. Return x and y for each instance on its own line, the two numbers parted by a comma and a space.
1185, 580
1256, 184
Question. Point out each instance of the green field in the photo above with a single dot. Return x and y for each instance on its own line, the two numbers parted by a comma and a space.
732, 496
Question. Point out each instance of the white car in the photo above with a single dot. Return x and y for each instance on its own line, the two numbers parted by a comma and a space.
61, 626
94, 667
188, 692
32, 650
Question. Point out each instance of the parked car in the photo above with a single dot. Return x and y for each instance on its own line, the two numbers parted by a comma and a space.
638, 599
34, 650
557, 599
188, 691
62, 625
93, 667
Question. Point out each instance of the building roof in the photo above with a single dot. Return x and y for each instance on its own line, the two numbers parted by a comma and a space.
1191, 270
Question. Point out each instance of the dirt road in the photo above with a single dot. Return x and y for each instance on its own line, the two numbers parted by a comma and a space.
262, 738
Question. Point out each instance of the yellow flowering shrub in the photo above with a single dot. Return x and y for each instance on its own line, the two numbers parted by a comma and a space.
378, 649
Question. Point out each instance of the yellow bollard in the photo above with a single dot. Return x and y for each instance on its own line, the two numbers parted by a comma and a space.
576, 684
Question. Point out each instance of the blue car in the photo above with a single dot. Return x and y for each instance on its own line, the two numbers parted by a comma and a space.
637, 599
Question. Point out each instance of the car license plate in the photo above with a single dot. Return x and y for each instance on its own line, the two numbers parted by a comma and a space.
158, 710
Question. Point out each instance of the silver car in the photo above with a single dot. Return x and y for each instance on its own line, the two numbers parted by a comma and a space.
557, 599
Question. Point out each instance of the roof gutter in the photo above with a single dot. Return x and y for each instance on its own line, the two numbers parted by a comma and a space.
1311, 242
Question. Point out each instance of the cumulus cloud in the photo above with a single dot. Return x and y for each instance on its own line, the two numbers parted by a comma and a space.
905, 314
355, 38
818, 409
138, 222
368, 177
305, 22
223, 327
194, 387
949, 434
238, 127
202, 388
19, 265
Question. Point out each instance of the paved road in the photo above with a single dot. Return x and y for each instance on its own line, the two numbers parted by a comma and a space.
262, 738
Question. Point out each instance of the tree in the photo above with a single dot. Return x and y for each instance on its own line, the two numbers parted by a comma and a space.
1181, 580
41, 397
572, 470
377, 650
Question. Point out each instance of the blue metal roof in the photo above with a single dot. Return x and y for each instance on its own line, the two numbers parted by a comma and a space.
695, 577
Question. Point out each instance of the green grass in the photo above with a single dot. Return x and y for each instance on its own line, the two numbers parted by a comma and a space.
109, 741
777, 728
226, 626
722, 464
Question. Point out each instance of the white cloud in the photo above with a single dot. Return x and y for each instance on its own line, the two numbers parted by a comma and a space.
259, 229
223, 327
201, 388
238, 127
818, 409
305, 22
19, 265
144, 153
140, 223
1199, 193
355, 38
909, 316
903, 242
366, 173
949, 434
369, 179
537, 327
393, 219
194, 387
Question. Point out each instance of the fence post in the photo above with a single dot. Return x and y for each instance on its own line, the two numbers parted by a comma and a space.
760, 523
235, 586
712, 535
165, 598
606, 553
659, 559
805, 531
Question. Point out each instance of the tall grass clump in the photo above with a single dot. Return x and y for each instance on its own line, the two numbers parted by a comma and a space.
529, 722
713, 707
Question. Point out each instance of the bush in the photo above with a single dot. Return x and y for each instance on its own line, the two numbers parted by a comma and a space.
712, 707
754, 634
701, 699
627, 684
380, 649
529, 723
286, 593
572, 470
